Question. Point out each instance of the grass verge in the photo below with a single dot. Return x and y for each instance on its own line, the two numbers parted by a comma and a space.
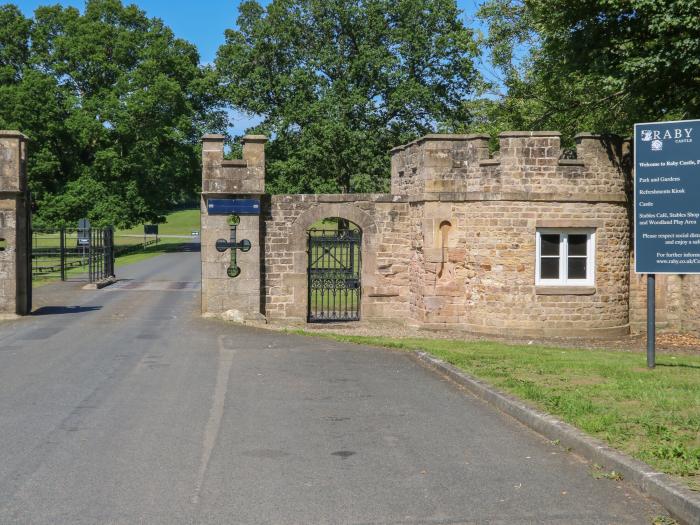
652, 415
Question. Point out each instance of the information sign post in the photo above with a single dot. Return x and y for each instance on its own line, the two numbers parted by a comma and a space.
666, 206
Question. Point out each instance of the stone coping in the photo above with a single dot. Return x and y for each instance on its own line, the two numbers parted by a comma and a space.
9, 133
521, 134
253, 138
520, 196
440, 136
213, 137
235, 163
472, 196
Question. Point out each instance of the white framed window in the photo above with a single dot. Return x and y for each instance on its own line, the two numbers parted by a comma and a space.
565, 257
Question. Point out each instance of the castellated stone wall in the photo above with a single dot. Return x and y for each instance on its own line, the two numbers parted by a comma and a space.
482, 277
454, 244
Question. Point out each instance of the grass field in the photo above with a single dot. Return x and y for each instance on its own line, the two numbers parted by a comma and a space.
182, 223
653, 415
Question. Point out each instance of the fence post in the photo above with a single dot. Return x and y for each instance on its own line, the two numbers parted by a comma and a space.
63, 253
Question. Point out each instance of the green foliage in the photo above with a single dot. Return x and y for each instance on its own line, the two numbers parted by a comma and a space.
591, 65
339, 83
114, 105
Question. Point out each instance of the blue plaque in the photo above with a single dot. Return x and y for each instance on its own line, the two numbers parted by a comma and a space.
230, 206
667, 197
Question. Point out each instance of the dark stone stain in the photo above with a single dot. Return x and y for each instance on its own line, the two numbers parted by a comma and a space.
344, 454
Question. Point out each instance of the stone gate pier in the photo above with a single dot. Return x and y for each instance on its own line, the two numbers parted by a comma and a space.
15, 233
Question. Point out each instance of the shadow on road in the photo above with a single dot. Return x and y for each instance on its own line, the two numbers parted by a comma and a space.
59, 310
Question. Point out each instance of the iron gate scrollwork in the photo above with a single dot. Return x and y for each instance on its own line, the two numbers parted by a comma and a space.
335, 265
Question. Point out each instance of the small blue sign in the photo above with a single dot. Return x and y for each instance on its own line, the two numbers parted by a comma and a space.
667, 197
237, 206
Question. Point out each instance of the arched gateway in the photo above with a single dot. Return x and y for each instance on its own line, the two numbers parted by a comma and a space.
334, 271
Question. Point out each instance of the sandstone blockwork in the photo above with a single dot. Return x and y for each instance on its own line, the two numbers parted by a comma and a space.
15, 268
459, 241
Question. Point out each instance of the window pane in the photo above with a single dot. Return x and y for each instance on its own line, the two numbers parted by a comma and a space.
578, 244
577, 267
549, 244
549, 268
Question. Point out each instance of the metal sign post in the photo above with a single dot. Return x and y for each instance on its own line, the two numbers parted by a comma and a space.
666, 207
651, 320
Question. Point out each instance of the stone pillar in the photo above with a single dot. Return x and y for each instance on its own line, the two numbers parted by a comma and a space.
15, 232
235, 298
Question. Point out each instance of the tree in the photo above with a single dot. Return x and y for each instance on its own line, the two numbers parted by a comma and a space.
338, 83
594, 65
115, 106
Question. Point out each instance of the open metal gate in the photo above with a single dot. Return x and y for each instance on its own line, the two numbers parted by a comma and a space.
335, 266
73, 254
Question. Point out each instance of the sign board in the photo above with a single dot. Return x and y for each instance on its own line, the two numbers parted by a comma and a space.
150, 229
83, 232
667, 197
229, 206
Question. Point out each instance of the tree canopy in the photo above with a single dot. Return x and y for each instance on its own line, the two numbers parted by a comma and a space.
114, 105
338, 83
592, 65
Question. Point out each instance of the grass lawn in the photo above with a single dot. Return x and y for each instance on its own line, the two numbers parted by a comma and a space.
653, 415
182, 222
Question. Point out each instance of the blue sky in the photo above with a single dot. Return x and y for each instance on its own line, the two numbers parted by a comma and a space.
201, 22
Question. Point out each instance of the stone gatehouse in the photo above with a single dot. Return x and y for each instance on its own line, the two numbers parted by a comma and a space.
526, 242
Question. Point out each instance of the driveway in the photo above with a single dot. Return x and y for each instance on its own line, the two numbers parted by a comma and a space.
122, 405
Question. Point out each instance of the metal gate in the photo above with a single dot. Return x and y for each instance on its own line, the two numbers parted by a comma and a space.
335, 265
73, 254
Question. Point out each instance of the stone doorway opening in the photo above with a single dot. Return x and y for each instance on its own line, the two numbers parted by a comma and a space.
334, 271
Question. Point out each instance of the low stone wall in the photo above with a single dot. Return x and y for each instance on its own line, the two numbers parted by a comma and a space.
677, 302
386, 254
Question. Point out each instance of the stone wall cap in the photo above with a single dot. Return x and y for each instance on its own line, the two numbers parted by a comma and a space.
596, 136
8, 133
441, 136
213, 137
254, 138
508, 134
237, 163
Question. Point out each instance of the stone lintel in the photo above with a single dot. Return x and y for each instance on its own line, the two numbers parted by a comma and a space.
571, 163
570, 223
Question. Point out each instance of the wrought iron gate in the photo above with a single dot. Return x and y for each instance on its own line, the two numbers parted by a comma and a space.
81, 254
335, 265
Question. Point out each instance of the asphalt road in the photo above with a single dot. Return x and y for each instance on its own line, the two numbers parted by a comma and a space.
123, 406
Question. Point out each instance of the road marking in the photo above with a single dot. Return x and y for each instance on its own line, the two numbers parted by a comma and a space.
216, 413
